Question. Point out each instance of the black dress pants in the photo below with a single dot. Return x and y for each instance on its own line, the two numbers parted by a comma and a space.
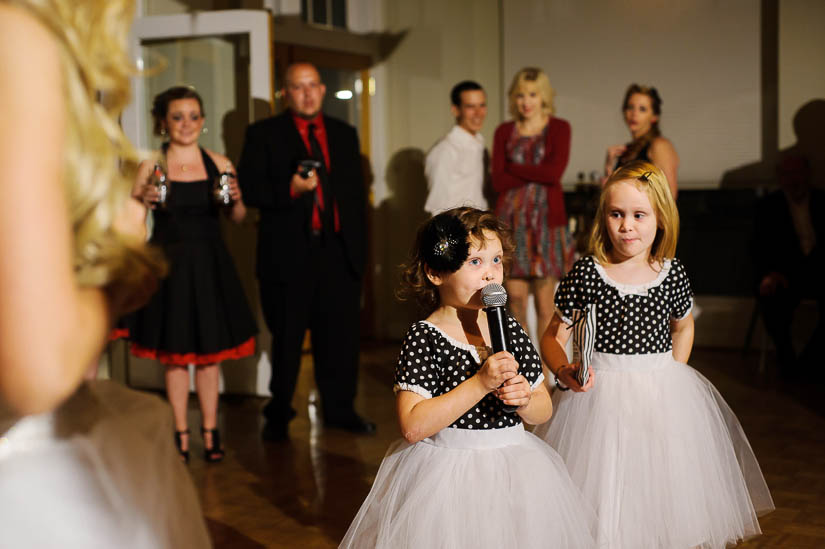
324, 296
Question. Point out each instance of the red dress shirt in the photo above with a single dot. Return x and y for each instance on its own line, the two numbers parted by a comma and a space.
302, 125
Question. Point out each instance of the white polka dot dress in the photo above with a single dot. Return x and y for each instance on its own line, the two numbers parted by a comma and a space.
653, 443
431, 363
483, 482
631, 319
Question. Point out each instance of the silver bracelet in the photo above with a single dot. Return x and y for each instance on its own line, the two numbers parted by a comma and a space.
559, 386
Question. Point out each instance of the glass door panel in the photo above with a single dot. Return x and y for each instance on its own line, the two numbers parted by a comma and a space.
218, 68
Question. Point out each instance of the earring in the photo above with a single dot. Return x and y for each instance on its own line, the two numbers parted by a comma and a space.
205, 130
163, 132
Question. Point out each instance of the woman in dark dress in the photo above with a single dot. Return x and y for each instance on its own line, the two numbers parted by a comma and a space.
642, 108
530, 155
200, 314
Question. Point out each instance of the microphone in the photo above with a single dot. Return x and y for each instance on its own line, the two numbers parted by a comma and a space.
494, 298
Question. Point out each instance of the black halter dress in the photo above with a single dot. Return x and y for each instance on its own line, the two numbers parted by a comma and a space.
200, 313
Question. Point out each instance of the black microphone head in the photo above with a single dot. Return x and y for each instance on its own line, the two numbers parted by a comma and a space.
494, 295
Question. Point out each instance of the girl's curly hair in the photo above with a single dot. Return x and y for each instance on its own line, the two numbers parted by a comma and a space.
415, 285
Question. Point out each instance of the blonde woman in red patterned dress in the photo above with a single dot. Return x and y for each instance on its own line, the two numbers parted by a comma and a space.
530, 155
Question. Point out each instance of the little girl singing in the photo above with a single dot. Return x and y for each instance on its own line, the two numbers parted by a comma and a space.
650, 442
467, 474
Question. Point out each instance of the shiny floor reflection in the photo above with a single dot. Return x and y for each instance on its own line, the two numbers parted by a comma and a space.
304, 492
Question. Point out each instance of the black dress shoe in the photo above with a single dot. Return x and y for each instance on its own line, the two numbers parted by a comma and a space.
275, 431
352, 423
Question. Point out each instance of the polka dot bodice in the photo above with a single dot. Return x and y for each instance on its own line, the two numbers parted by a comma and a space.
630, 319
431, 363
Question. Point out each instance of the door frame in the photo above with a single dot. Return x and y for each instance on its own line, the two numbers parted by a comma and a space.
256, 23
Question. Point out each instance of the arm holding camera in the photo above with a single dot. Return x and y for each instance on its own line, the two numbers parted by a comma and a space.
305, 178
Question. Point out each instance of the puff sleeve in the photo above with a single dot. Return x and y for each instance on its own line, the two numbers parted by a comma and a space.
681, 293
576, 289
529, 362
417, 370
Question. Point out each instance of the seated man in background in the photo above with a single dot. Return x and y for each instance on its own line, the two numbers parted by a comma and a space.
787, 250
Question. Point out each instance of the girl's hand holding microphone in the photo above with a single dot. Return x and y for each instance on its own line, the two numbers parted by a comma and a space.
497, 370
516, 391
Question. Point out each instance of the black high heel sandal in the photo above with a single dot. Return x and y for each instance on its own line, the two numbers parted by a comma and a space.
184, 454
215, 453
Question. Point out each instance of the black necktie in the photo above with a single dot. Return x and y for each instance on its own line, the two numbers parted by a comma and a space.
326, 213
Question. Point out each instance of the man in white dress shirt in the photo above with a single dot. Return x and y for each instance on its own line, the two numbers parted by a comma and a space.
455, 166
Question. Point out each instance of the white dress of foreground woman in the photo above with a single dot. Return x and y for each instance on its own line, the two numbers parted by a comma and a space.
100, 471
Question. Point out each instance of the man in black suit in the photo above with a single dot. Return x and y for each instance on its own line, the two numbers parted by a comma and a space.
302, 169
789, 256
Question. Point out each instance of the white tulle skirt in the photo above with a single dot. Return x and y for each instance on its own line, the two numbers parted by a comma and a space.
481, 489
659, 455
101, 471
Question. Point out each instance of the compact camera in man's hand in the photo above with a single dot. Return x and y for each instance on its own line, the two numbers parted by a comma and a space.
306, 167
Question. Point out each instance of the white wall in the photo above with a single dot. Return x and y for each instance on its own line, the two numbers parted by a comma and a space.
802, 76
443, 43
801, 60
702, 55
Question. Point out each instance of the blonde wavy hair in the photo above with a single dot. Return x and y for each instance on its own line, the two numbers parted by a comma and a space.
651, 180
99, 163
533, 76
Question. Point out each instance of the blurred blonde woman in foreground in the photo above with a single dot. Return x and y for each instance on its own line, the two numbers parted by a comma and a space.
81, 464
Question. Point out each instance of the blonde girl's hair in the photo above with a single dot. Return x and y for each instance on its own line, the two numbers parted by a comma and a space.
99, 164
651, 180
415, 284
537, 77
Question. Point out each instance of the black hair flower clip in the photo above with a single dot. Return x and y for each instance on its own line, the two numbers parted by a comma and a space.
444, 243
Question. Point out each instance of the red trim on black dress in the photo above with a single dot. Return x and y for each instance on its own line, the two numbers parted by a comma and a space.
245, 349
119, 333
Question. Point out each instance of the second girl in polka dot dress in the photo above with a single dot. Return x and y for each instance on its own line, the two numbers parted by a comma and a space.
467, 474
651, 443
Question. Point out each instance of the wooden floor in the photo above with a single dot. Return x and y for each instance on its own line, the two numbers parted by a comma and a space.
303, 493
